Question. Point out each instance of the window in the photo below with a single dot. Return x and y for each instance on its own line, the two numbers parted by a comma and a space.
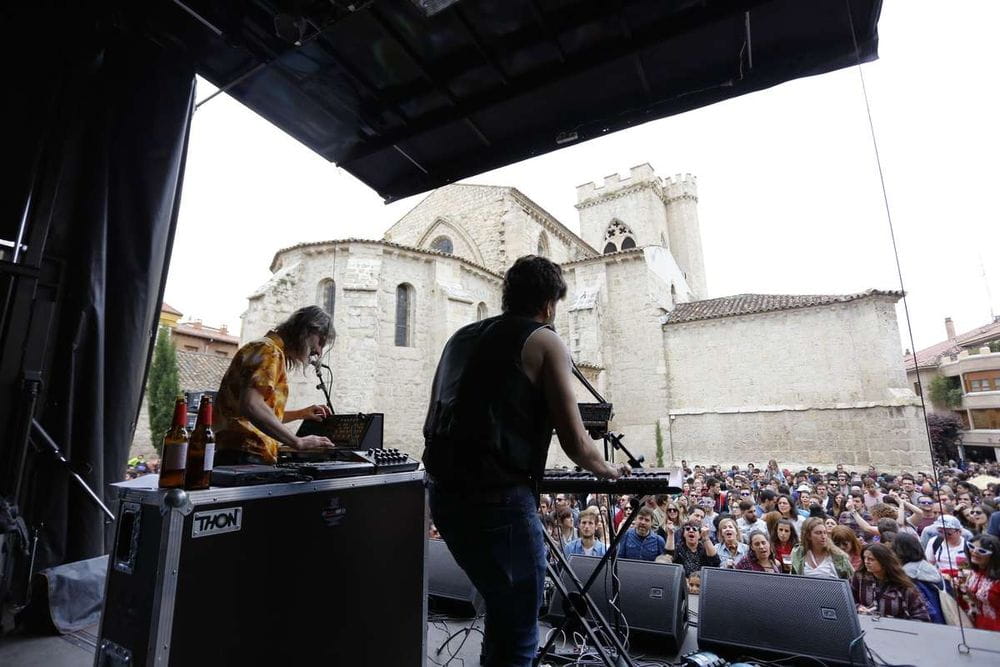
222, 353
618, 235
986, 418
191, 348
916, 388
481, 313
326, 295
443, 244
543, 245
404, 315
982, 381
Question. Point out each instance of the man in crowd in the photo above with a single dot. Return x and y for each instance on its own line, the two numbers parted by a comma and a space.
947, 551
501, 385
714, 491
749, 521
768, 502
640, 542
586, 545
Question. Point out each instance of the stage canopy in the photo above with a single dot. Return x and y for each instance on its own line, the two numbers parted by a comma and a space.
409, 95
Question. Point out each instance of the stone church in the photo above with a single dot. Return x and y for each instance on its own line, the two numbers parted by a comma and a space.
806, 379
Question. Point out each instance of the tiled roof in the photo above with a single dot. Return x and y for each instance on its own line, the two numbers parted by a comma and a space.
749, 304
201, 331
167, 308
200, 372
931, 356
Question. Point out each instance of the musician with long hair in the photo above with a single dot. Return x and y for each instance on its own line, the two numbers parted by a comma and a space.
250, 409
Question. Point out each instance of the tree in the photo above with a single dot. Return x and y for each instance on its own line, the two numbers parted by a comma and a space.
659, 445
946, 434
945, 392
162, 387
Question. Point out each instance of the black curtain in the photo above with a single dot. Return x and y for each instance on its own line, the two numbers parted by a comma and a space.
112, 120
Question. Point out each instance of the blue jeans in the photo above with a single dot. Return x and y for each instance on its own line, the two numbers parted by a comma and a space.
499, 543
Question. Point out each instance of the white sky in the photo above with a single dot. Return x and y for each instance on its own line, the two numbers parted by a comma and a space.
790, 200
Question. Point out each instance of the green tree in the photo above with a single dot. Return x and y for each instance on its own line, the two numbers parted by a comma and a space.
162, 386
945, 392
659, 445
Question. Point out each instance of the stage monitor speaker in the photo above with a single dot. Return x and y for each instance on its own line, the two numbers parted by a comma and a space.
765, 615
652, 596
447, 584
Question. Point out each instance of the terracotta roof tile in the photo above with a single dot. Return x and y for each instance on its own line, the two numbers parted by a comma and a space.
749, 304
210, 333
200, 372
931, 356
167, 308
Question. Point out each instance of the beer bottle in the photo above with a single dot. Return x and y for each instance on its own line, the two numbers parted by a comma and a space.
175, 447
201, 449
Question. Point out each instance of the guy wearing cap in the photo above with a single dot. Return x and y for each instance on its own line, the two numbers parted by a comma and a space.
947, 552
803, 500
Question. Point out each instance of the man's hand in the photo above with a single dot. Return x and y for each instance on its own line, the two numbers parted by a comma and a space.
314, 413
616, 471
312, 442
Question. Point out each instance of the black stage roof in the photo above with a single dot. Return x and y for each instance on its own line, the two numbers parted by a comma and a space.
407, 101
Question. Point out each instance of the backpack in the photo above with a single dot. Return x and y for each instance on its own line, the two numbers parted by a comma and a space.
932, 598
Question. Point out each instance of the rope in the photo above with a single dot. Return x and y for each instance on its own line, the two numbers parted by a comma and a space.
963, 646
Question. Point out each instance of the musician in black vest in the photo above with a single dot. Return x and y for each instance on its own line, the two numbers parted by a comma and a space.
500, 387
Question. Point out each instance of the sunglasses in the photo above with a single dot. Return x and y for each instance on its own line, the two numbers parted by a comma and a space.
979, 551
692, 529
673, 509
744, 493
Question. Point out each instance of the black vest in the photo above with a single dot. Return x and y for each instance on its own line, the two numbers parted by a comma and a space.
487, 425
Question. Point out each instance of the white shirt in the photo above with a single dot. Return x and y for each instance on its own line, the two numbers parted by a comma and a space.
745, 527
824, 568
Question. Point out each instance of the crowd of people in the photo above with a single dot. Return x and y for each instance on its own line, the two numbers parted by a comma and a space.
913, 545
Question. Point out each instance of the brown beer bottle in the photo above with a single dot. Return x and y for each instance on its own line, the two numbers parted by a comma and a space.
175, 447
201, 448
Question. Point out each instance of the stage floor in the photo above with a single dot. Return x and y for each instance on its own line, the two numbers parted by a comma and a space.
448, 642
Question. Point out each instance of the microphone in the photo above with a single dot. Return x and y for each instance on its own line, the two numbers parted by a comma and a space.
315, 362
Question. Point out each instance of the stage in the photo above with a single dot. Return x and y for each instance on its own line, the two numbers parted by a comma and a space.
897, 642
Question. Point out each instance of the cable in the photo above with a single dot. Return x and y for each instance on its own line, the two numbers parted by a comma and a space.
899, 272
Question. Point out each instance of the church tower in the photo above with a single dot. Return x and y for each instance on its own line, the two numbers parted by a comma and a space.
643, 210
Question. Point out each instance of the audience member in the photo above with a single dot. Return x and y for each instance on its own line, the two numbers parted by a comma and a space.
980, 591
639, 541
816, 555
759, 558
882, 587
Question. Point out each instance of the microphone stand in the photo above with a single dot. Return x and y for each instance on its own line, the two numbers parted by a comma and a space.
614, 439
322, 385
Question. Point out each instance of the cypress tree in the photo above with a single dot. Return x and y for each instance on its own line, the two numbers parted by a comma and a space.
162, 387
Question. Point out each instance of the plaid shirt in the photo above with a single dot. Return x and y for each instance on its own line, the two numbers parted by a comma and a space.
889, 599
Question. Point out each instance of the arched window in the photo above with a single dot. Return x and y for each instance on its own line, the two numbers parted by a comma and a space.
326, 295
618, 236
443, 244
404, 315
543, 245
481, 313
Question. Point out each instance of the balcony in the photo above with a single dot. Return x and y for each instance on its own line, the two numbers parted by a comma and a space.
969, 363
980, 400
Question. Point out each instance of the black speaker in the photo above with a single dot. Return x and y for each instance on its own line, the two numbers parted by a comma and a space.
448, 587
762, 614
652, 596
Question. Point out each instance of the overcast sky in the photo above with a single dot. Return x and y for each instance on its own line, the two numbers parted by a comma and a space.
790, 200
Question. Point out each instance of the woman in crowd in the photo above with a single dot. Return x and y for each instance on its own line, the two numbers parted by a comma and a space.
730, 548
839, 505
783, 541
845, 540
831, 523
694, 551
773, 472
974, 519
759, 558
786, 508
881, 587
816, 555
924, 576
562, 528
980, 591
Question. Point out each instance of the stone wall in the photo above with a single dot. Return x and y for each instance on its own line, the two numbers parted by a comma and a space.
823, 383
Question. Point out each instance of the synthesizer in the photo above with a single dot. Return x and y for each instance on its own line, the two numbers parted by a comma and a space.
353, 431
330, 469
342, 462
642, 482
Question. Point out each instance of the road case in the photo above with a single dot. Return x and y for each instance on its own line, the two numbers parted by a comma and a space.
326, 572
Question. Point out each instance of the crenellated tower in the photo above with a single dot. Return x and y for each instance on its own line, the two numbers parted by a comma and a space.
643, 210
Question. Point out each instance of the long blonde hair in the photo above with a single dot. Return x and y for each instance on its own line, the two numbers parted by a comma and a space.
805, 539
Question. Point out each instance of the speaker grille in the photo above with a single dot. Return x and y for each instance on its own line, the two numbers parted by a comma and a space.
653, 596
740, 609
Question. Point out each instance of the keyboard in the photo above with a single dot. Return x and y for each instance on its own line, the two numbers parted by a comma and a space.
642, 482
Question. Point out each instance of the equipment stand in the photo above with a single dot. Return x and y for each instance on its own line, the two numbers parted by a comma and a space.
575, 611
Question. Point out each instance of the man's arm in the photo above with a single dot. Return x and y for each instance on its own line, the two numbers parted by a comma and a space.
546, 352
261, 415
315, 413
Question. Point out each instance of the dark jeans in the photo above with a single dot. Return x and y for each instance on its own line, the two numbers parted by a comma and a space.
498, 540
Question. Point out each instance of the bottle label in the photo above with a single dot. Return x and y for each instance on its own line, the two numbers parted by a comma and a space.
209, 456
174, 456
